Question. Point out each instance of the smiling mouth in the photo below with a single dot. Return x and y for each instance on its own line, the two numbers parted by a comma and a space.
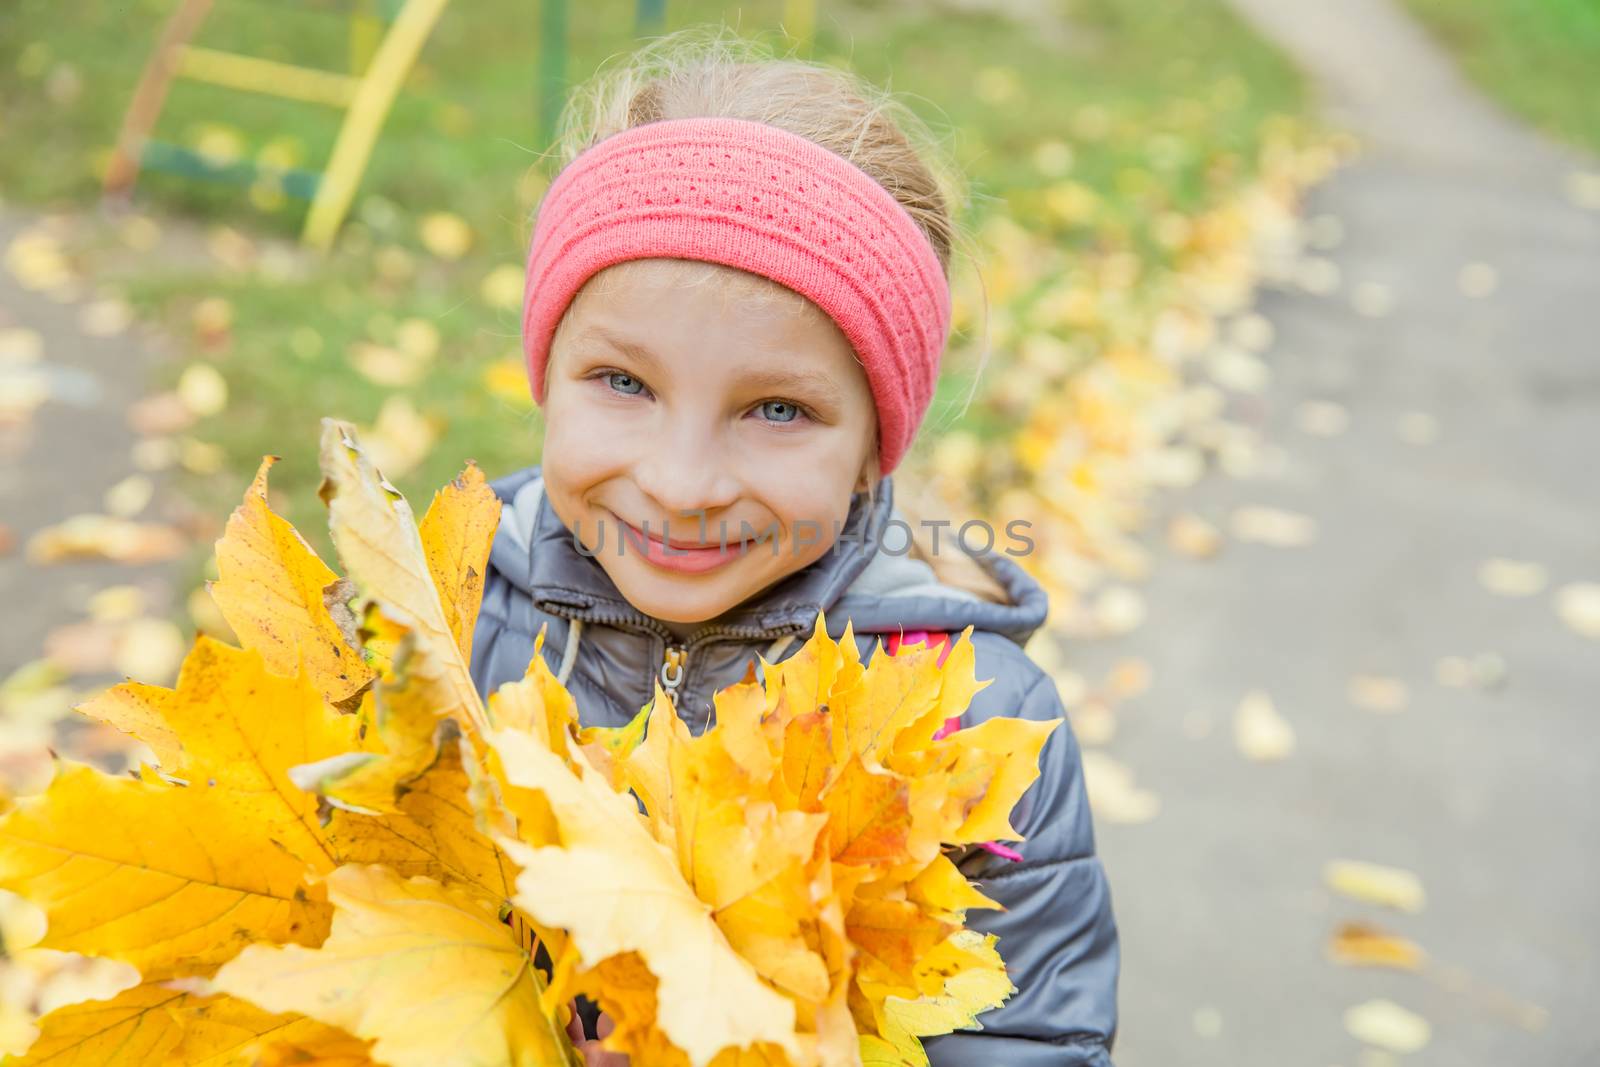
684, 557
682, 546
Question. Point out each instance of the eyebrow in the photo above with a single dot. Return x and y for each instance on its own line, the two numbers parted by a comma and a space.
801, 381
621, 344
777, 379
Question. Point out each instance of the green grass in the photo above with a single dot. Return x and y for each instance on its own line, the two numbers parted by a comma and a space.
1540, 57
1162, 104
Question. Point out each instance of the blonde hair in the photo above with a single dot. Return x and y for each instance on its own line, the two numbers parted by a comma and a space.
709, 71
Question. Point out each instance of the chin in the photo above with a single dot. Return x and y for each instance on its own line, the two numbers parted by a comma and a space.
676, 598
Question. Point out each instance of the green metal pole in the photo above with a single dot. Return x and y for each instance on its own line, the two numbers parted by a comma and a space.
552, 66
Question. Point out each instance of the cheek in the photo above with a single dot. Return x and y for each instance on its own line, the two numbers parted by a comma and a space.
813, 489
581, 446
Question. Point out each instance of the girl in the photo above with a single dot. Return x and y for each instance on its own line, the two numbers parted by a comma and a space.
736, 304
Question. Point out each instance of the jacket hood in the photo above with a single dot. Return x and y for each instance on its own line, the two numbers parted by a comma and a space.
878, 589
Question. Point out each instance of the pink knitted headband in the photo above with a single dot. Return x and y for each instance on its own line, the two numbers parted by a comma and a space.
750, 195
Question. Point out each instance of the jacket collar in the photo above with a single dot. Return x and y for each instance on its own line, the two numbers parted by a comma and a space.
541, 557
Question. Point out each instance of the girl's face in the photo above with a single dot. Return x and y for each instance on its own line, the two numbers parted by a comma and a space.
702, 406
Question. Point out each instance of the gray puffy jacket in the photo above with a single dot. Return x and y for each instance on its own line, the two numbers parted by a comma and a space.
1057, 934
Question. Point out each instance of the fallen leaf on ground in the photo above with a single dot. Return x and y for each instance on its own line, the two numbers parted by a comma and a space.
1190, 535
1373, 883
105, 318
1119, 610
386, 366
160, 414
1372, 300
1486, 671
402, 437
1583, 189
1207, 1022
1418, 428
502, 287
1388, 1026
129, 496
20, 346
1376, 693
1323, 418
1578, 605
1252, 330
1093, 722
212, 322
1273, 526
1318, 275
106, 537
1112, 794
1128, 678
1259, 731
444, 234
1512, 577
1238, 369
1361, 945
202, 389
1478, 280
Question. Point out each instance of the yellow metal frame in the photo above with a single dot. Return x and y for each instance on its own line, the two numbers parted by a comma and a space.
380, 59
251, 75
362, 122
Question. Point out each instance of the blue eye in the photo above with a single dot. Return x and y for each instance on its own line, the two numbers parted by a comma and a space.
624, 383
780, 411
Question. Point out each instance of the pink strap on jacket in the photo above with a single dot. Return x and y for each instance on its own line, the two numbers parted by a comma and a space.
893, 643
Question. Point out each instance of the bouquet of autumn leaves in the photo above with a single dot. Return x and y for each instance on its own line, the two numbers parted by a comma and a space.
343, 856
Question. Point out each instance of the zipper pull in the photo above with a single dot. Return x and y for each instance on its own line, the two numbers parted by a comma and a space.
673, 663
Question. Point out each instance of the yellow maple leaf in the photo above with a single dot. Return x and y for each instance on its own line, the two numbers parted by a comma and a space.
229, 744
456, 534
431, 975
153, 1023
305, 616
171, 879
616, 889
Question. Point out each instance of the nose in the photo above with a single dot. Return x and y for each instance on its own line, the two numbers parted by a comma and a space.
688, 474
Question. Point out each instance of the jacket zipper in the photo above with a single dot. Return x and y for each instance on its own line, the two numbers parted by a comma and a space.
673, 673
718, 633
674, 662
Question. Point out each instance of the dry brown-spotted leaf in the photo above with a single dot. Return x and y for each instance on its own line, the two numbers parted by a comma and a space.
384, 555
